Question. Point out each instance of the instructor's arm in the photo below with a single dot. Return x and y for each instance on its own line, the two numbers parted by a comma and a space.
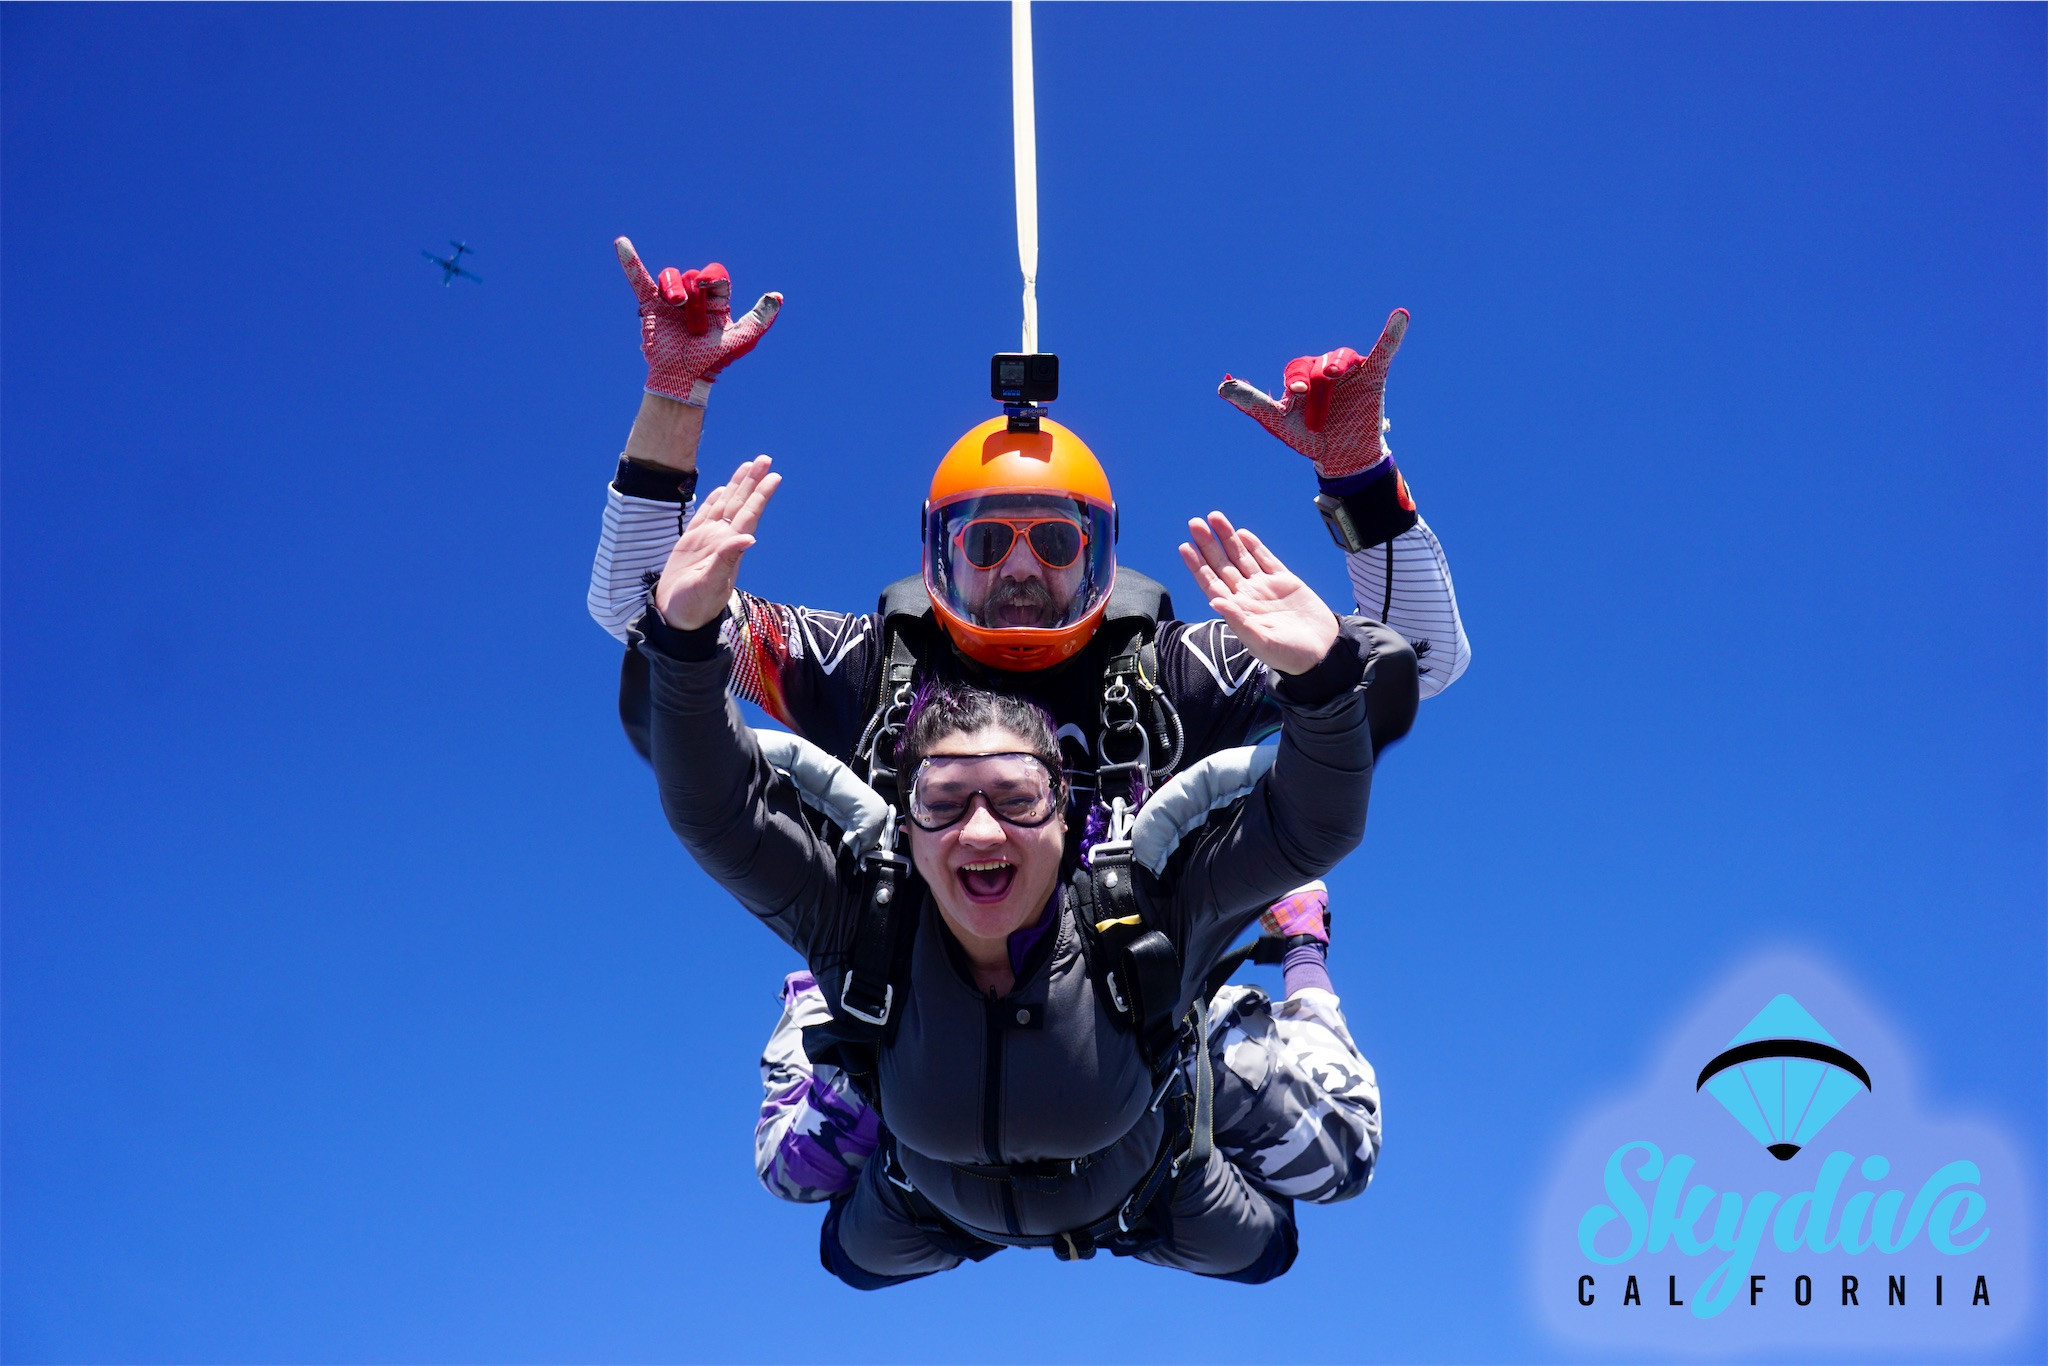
688, 335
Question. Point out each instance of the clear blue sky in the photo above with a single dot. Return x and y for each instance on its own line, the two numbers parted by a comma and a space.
358, 1004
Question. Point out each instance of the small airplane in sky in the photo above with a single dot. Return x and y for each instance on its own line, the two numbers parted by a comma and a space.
451, 266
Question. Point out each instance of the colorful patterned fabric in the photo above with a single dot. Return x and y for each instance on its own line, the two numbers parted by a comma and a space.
814, 1134
1297, 1105
1302, 911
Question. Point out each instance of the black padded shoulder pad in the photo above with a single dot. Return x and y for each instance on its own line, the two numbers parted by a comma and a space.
905, 598
1137, 595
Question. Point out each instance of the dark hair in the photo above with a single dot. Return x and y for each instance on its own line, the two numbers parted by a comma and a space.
940, 708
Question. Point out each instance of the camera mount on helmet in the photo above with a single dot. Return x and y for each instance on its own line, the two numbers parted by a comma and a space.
1024, 384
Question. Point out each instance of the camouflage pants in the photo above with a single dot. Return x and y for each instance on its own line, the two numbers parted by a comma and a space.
1297, 1105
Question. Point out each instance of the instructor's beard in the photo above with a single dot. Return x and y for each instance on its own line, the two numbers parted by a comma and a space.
1019, 602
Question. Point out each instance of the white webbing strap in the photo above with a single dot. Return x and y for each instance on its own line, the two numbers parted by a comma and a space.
1025, 128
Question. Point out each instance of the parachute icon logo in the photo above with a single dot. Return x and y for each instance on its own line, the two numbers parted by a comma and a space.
1783, 1077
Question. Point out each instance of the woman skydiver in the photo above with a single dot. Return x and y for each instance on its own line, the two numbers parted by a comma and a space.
1021, 1113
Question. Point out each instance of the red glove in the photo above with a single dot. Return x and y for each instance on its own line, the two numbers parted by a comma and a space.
686, 327
1333, 408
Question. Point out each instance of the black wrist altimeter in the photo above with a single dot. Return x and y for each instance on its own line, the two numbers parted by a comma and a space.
1367, 509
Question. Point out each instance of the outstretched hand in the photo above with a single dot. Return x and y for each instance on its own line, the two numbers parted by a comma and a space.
687, 330
1277, 616
698, 578
1334, 407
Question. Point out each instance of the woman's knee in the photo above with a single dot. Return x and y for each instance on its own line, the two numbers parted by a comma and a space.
874, 1237
1272, 1263
833, 1256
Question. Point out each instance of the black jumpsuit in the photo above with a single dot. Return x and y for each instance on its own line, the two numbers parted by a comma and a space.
1044, 1072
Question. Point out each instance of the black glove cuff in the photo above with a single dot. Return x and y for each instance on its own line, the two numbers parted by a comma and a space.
690, 647
1366, 509
1338, 672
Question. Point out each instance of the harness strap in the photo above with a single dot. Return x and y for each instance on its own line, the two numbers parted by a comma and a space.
928, 1218
1203, 1140
1125, 1229
1140, 967
1267, 949
892, 708
1044, 1172
867, 992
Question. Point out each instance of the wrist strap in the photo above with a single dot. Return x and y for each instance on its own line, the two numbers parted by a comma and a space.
1366, 509
655, 483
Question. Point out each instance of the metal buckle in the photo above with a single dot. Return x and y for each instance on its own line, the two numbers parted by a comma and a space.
1139, 763
845, 1004
1117, 838
1116, 994
1121, 730
1113, 847
879, 742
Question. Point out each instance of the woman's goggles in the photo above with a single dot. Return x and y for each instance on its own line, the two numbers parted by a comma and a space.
1019, 789
985, 542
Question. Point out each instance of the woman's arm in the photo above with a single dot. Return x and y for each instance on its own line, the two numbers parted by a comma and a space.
739, 819
811, 670
1309, 811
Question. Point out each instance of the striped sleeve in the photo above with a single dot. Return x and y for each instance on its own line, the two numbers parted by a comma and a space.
631, 549
1406, 584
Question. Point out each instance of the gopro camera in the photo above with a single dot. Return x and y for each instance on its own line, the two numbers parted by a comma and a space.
1024, 379
1021, 383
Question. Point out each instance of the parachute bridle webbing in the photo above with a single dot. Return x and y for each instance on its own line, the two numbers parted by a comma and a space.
1025, 131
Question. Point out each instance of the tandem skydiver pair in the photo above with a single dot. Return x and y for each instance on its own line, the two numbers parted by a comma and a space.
1020, 575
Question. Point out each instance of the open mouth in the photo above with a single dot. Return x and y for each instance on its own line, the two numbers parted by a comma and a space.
1020, 614
1019, 602
987, 882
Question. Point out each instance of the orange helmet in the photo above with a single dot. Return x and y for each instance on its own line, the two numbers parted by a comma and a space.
1019, 544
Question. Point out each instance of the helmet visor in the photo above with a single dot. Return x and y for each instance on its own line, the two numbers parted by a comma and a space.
1020, 561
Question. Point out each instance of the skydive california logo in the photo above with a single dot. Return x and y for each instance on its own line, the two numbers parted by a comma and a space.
1783, 1078
1777, 1186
